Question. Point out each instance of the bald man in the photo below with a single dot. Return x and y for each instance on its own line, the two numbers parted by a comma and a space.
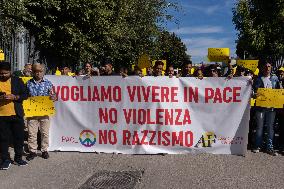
39, 86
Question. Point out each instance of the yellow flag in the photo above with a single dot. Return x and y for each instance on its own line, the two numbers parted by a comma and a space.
144, 71
2, 55
270, 98
144, 61
57, 72
71, 74
38, 106
249, 64
256, 72
252, 102
26, 79
164, 61
218, 54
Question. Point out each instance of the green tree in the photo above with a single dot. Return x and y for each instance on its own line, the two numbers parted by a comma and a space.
169, 46
261, 28
73, 31
9, 26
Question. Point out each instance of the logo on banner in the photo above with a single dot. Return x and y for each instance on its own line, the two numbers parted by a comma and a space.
206, 140
87, 138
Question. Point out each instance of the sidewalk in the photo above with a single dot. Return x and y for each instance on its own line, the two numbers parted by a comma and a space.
72, 170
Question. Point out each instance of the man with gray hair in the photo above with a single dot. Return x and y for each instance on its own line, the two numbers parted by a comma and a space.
39, 86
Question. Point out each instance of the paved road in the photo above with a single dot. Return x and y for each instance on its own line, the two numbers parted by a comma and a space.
72, 169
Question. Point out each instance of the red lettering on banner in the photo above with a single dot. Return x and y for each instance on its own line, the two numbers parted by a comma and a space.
165, 136
112, 137
217, 96
188, 138
135, 140
186, 119
143, 141
177, 139
165, 92
82, 98
169, 118
126, 135
141, 116
207, 95
65, 93
227, 95
103, 137
74, 93
236, 93
127, 115
103, 115
227, 100
131, 92
191, 94
88, 93
56, 91
96, 96
174, 91
146, 93
107, 116
177, 122
160, 138
157, 117
149, 121
139, 94
106, 94
153, 135
157, 93
117, 91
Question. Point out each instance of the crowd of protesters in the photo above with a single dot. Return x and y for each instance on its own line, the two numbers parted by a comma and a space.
265, 122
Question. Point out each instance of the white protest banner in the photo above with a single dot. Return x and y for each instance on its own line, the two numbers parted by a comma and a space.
150, 115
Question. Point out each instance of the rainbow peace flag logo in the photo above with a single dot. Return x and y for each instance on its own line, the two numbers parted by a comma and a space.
88, 138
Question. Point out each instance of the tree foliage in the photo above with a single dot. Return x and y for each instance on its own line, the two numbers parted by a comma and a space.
78, 31
169, 46
9, 26
261, 28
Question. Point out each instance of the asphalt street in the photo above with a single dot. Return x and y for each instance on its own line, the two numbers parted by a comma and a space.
72, 169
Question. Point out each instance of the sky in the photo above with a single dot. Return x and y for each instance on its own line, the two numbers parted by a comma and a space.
202, 24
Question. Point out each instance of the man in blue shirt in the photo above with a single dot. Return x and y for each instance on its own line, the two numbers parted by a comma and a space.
39, 86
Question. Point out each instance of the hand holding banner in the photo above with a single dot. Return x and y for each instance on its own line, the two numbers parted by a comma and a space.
38, 106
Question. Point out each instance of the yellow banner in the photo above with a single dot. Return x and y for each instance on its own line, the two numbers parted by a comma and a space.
164, 61
26, 79
249, 64
252, 102
144, 61
2, 55
38, 106
270, 98
218, 54
144, 71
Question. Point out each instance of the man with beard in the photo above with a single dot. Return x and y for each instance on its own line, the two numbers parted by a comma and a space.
12, 94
